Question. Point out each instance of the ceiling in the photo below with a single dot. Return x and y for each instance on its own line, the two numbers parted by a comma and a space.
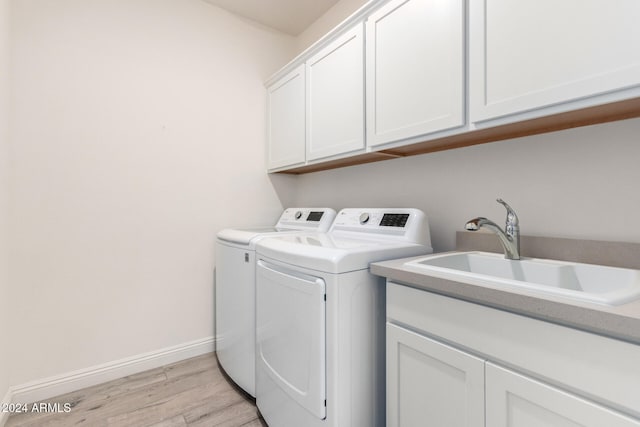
289, 16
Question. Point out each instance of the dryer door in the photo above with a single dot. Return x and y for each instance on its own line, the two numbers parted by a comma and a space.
290, 314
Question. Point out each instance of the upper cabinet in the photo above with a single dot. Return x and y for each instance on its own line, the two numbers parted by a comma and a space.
406, 77
415, 69
335, 97
542, 57
286, 120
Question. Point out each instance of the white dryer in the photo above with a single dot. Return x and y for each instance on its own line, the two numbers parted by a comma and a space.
235, 288
320, 316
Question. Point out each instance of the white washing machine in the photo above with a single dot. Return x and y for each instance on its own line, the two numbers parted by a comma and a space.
235, 288
320, 315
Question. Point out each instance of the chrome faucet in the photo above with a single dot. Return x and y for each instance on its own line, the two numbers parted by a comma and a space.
510, 237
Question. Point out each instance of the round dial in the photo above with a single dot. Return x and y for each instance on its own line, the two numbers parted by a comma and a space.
364, 218
298, 215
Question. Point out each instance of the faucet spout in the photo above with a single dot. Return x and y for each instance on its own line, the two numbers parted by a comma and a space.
509, 238
475, 223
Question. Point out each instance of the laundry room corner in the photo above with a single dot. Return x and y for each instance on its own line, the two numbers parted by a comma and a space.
285, 187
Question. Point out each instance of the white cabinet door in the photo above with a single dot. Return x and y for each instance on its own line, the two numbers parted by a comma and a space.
430, 383
286, 121
525, 55
335, 97
415, 69
514, 400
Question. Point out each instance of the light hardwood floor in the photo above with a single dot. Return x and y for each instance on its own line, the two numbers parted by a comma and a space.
193, 393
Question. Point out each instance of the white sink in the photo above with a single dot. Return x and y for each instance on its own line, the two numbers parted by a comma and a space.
583, 282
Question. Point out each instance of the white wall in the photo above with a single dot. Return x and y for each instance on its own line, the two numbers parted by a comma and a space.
579, 183
332, 17
5, 317
138, 134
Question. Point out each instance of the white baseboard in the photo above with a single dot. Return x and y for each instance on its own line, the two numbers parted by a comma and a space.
46, 388
4, 416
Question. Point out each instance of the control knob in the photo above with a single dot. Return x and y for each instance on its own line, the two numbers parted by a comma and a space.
364, 218
298, 215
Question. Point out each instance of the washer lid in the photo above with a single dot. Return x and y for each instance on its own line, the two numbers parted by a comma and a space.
291, 220
245, 236
329, 253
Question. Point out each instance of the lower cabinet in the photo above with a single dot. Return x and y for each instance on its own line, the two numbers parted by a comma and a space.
432, 382
514, 400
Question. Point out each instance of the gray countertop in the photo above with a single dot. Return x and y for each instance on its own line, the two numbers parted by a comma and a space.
621, 322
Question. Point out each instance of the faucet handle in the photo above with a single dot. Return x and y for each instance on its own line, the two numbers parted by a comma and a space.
512, 218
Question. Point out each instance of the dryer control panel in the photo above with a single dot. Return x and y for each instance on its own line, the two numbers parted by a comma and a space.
314, 219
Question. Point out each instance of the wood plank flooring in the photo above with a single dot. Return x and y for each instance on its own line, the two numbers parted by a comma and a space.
190, 393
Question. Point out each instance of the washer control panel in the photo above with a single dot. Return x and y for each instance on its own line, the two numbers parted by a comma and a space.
388, 219
400, 223
373, 218
394, 220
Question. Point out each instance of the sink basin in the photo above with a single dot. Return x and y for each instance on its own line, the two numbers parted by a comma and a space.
582, 282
